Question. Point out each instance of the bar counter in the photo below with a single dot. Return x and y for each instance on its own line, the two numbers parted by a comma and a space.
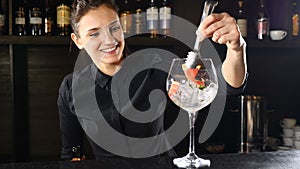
263, 160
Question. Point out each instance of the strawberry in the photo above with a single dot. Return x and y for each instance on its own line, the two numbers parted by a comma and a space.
173, 89
191, 74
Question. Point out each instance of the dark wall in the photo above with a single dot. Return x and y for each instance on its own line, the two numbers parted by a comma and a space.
5, 102
274, 74
45, 68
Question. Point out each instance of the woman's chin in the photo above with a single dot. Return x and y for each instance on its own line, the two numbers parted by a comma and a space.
111, 59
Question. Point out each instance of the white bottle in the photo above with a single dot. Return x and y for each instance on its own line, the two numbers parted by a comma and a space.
152, 19
165, 18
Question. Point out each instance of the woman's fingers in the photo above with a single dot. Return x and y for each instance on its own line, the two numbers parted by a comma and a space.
221, 27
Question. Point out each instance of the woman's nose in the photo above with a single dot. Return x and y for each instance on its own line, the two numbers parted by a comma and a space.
108, 37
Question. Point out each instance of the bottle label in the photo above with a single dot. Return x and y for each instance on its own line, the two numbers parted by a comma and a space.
242, 23
152, 13
20, 21
262, 27
152, 18
35, 20
2, 20
165, 17
295, 22
63, 15
35, 17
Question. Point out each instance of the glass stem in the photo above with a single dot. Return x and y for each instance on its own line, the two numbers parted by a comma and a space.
192, 118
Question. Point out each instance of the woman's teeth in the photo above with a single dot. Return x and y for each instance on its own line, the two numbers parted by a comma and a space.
109, 50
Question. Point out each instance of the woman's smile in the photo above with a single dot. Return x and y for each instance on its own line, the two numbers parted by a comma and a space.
110, 50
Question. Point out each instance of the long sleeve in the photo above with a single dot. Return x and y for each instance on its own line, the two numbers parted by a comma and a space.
71, 130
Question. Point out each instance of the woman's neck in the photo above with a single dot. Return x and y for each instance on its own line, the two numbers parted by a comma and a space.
109, 69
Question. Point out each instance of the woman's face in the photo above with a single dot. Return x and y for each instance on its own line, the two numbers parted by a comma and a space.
101, 35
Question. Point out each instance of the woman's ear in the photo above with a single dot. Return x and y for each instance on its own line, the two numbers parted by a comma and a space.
76, 40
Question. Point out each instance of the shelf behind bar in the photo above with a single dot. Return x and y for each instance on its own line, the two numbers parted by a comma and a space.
35, 40
268, 43
252, 43
58, 40
138, 41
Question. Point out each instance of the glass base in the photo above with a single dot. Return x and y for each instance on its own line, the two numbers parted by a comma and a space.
191, 161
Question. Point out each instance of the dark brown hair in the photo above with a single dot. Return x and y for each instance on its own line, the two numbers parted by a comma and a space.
81, 7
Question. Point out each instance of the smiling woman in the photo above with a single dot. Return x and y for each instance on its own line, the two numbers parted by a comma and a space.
103, 41
120, 101
102, 38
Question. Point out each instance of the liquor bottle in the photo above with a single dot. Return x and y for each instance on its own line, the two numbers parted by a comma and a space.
139, 18
63, 20
20, 19
165, 18
48, 19
3, 25
35, 18
241, 19
263, 22
126, 18
295, 21
152, 19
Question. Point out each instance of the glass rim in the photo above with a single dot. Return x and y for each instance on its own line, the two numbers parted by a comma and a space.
186, 58
207, 60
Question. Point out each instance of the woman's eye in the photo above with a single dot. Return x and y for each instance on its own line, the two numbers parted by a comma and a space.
95, 34
115, 28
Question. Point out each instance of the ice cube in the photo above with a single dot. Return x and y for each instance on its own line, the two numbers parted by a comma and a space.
192, 60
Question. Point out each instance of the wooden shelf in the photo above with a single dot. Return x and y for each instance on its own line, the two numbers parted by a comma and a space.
35, 40
57, 40
139, 41
285, 43
252, 43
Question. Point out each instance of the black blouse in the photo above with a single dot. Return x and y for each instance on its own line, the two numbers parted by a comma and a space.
78, 118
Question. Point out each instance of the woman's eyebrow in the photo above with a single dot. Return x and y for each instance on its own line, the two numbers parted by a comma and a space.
93, 29
97, 28
113, 22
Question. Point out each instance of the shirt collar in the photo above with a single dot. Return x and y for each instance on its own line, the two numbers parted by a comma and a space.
101, 78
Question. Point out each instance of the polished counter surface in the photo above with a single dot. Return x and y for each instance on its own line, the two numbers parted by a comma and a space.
265, 160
